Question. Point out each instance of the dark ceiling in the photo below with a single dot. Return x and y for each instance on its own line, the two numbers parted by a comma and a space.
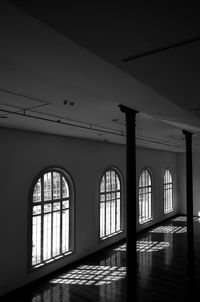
115, 31
40, 61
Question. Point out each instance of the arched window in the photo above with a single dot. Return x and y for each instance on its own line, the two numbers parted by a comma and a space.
145, 196
52, 194
110, 204
168, 192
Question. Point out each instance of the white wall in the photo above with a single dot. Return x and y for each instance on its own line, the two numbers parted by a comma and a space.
23, 155
157, 162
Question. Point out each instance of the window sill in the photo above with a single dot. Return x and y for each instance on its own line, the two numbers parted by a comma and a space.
143, 222
168, 212
110, 236
50, 261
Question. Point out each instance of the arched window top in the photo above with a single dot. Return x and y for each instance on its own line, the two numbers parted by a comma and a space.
110, 181
167, 177
55, 183
145, 179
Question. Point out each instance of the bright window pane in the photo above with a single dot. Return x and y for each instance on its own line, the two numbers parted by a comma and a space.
37, 192
118, 215
65, 188
56, 233
47, 186
56, 185
65, 233
36, 240
102, 219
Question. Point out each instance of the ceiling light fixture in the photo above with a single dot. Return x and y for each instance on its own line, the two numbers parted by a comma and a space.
66, 102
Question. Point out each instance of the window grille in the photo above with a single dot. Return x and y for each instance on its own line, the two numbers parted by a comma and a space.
145, 196
110, 204
51, 215
168, 192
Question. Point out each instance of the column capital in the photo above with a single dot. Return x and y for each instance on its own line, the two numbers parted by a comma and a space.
187, 133
127, 110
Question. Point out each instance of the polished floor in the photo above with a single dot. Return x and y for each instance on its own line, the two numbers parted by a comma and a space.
162, 273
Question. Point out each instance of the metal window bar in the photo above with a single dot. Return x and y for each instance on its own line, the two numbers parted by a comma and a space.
61, 214
115, 203
52, 217
110, 202
42, 217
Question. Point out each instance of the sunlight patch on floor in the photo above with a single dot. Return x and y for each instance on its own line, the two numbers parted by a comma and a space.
92, 275
169, 229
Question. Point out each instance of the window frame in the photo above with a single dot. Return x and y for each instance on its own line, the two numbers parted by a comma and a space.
71, 199
152, 195
172, 189
122, 206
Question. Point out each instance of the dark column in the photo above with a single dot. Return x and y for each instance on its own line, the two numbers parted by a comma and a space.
189, 192
189, 202
130, 202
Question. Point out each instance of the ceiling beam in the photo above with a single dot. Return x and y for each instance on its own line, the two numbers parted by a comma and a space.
160, 49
